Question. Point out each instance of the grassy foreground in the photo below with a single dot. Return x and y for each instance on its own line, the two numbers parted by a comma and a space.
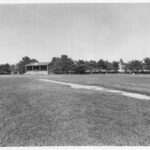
33, 112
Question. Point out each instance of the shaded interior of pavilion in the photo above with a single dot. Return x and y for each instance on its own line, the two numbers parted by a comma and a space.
37, 68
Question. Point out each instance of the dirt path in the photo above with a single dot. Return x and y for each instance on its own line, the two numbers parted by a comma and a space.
98, 88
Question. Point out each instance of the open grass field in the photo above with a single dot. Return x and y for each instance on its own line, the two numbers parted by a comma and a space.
34, 113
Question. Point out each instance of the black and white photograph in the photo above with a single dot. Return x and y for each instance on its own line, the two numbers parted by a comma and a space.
74, 74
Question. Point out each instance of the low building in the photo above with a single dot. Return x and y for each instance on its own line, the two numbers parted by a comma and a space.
37, 68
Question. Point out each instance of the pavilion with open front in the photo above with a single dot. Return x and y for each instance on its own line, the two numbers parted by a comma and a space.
37, 68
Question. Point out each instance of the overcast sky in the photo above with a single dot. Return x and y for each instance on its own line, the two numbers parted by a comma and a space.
82, 31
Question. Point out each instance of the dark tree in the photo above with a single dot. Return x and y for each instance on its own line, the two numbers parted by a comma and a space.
5, 69
91, 65
67, 64
104, 65
80, 67
63, 65
101, 64
135, 65
55, 65
108, 66
115, 66
146, 64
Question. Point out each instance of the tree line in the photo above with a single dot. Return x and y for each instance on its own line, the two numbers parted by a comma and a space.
66, 65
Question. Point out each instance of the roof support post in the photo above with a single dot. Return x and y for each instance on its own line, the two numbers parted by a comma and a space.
47, 68
25, 68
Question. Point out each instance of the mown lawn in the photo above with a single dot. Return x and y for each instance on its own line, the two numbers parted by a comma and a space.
33, 112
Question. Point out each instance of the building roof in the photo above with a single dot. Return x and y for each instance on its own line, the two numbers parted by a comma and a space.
38, 64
